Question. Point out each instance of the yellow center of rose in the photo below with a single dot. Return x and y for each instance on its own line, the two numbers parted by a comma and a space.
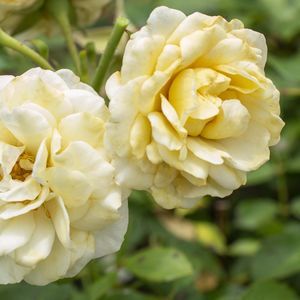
197, 95
23, 167
196, 103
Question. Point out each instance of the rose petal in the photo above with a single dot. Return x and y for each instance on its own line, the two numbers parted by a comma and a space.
13, 209
21, 191
13, 236
40, 244
232, 121
60, 219
71, 185
28, 126
163, 133
82, 127
52, 268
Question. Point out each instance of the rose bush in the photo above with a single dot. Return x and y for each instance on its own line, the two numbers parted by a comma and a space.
60, 206
191, 109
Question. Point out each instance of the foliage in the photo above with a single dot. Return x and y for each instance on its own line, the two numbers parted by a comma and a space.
244, 247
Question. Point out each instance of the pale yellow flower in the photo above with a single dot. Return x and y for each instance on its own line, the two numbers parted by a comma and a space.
60, 206
12, 12
88, 11
191, 109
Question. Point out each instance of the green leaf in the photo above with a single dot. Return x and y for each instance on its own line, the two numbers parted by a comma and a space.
228, 292
129, 295
282, 15
286, 67
23, 291
278, 257
159, 264
270, 290
244, 247
254, 213
100, 287
295, 207
211, 236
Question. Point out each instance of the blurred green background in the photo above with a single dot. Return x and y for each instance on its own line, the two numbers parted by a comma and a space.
244, 247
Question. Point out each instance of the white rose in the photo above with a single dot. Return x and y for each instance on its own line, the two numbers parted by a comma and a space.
191, 110
59, 204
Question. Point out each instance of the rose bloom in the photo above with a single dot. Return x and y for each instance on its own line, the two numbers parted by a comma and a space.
88, 11
191, 109
12, 12
59, 204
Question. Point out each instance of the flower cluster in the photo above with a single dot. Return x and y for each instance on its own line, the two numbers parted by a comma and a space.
191, 109
191, 112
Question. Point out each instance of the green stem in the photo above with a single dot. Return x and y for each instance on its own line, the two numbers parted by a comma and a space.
109, 51
8, 41
60, 9
84, 66
67, 31
282, 188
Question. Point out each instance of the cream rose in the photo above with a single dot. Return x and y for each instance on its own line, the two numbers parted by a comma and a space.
11, 13
191, 109
88, 11
59, 204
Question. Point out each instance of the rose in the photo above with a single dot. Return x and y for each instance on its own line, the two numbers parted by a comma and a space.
11, 12
59, 204
16, 4
87, 12
191, 109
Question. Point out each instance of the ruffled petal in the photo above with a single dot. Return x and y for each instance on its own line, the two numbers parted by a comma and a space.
71, 185
40, 244
14, 236
60, 219
54, 267
28, 126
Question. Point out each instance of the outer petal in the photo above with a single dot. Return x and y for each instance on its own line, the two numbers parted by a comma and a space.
130, 175
54, 267
13, 236
4, 80
250, 150
110, 239
83, 250
10, 271
40, 244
